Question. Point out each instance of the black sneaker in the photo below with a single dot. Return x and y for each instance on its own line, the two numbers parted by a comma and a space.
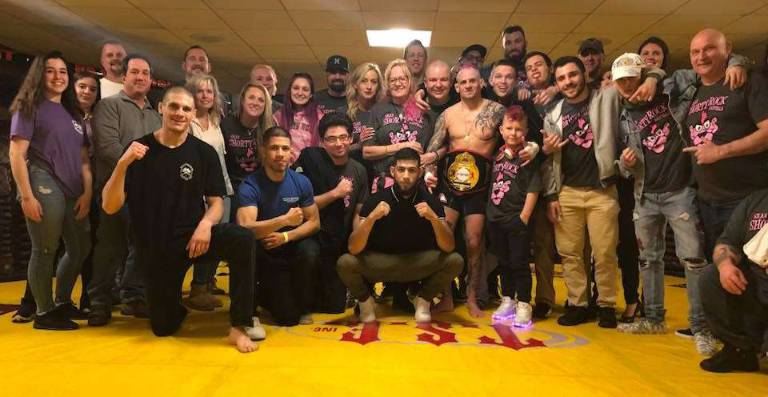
99, 316
606, 317
25, 314
541, 311
54, 321
574, 315
684, 333
731, 359
136, 309
68, 310
592, 311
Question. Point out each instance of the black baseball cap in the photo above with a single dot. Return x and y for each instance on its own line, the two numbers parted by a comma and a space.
475, 47
337, 63
591, 44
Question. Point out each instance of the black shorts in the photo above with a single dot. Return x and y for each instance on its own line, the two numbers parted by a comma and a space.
466, 204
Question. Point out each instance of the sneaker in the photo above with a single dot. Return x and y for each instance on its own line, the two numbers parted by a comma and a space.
99, 316
256, 332
643, 327
25, 314
68, 310
54, 321
574, 315
706, 344
136, 309
541, 311
731, 359
506, 308
523, 313
367, 310
422, 313
306, 319
606, 317
684, 333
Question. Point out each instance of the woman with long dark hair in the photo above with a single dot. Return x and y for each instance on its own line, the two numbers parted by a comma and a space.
300, 114
50, 164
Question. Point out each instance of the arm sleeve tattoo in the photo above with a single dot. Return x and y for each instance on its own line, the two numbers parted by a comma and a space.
438, 138
723, 252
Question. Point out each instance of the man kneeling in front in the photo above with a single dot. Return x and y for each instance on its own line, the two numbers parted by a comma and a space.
168, 178
402, 236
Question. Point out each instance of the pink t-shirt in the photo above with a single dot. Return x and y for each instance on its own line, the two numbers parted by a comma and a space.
302, 133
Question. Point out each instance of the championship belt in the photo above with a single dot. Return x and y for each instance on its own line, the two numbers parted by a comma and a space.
466, 172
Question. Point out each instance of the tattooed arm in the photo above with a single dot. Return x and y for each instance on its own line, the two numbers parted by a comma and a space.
490, 116
725, 254
437, 145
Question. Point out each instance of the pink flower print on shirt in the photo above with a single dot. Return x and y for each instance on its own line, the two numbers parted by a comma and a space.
657, 138
704, 132
404, 135
347, 198
499, 189
583, 136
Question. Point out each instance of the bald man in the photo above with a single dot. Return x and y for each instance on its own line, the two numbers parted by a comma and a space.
466, 135
437, 80
727, 131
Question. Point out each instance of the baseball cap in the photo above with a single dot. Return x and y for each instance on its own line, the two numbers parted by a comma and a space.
591, 44
337, 62
475, 47
627, 65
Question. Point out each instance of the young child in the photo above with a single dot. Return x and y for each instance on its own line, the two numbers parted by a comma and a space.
514, 192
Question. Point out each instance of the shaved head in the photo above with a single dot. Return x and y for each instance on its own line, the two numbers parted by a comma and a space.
709, 55
437, 67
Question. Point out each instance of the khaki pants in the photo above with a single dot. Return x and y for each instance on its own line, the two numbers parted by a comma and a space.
596, 210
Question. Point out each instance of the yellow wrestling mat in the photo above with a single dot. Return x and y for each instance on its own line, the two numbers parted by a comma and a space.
454, 356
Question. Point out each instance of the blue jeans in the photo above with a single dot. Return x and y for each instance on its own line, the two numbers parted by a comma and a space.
651, 216
714, 216
58, 222
111, 251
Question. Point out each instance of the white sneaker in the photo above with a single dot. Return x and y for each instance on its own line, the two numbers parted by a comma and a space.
506, 308
423, 313
523, 313
306, 319
367, 310
256, 332
706, 344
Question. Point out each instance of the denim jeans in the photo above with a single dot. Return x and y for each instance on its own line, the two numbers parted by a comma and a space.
58, 222
651, 216
113, 249
714, 217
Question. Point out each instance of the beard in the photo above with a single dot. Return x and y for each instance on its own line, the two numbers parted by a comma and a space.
405, 191
337, 86
516, 56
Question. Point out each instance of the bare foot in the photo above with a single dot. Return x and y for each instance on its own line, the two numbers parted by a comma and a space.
474, 310
241, 341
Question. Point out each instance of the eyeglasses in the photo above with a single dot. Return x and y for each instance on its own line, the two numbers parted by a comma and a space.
334, 139
401, 79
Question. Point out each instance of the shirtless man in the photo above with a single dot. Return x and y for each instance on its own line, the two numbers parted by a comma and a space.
467, 135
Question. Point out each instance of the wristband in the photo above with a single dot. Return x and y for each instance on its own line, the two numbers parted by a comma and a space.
285, 236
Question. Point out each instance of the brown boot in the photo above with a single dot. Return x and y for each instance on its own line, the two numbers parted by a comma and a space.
200, 298
211, 291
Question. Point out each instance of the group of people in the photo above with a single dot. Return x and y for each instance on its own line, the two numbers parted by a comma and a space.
312, 198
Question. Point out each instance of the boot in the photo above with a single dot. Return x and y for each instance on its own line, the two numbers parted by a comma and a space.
200, 298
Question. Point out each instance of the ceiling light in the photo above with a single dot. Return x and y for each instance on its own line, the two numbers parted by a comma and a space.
397, 38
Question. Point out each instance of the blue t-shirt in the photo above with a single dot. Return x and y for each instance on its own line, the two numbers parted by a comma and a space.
273, 199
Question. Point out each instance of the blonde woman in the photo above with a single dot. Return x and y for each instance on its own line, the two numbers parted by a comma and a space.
363, 91
207, 127
398, 123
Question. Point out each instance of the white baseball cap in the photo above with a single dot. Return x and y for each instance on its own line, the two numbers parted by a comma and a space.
627, 65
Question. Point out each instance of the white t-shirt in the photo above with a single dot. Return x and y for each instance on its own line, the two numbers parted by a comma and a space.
215, 138
109, 87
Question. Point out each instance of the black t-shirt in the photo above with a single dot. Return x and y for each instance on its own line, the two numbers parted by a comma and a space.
393, 126
720, 115
241, 155
578, 156
327, 103
747, 219
165, 190
403, 230
336, 217
511, 184
362, 120
667, 168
